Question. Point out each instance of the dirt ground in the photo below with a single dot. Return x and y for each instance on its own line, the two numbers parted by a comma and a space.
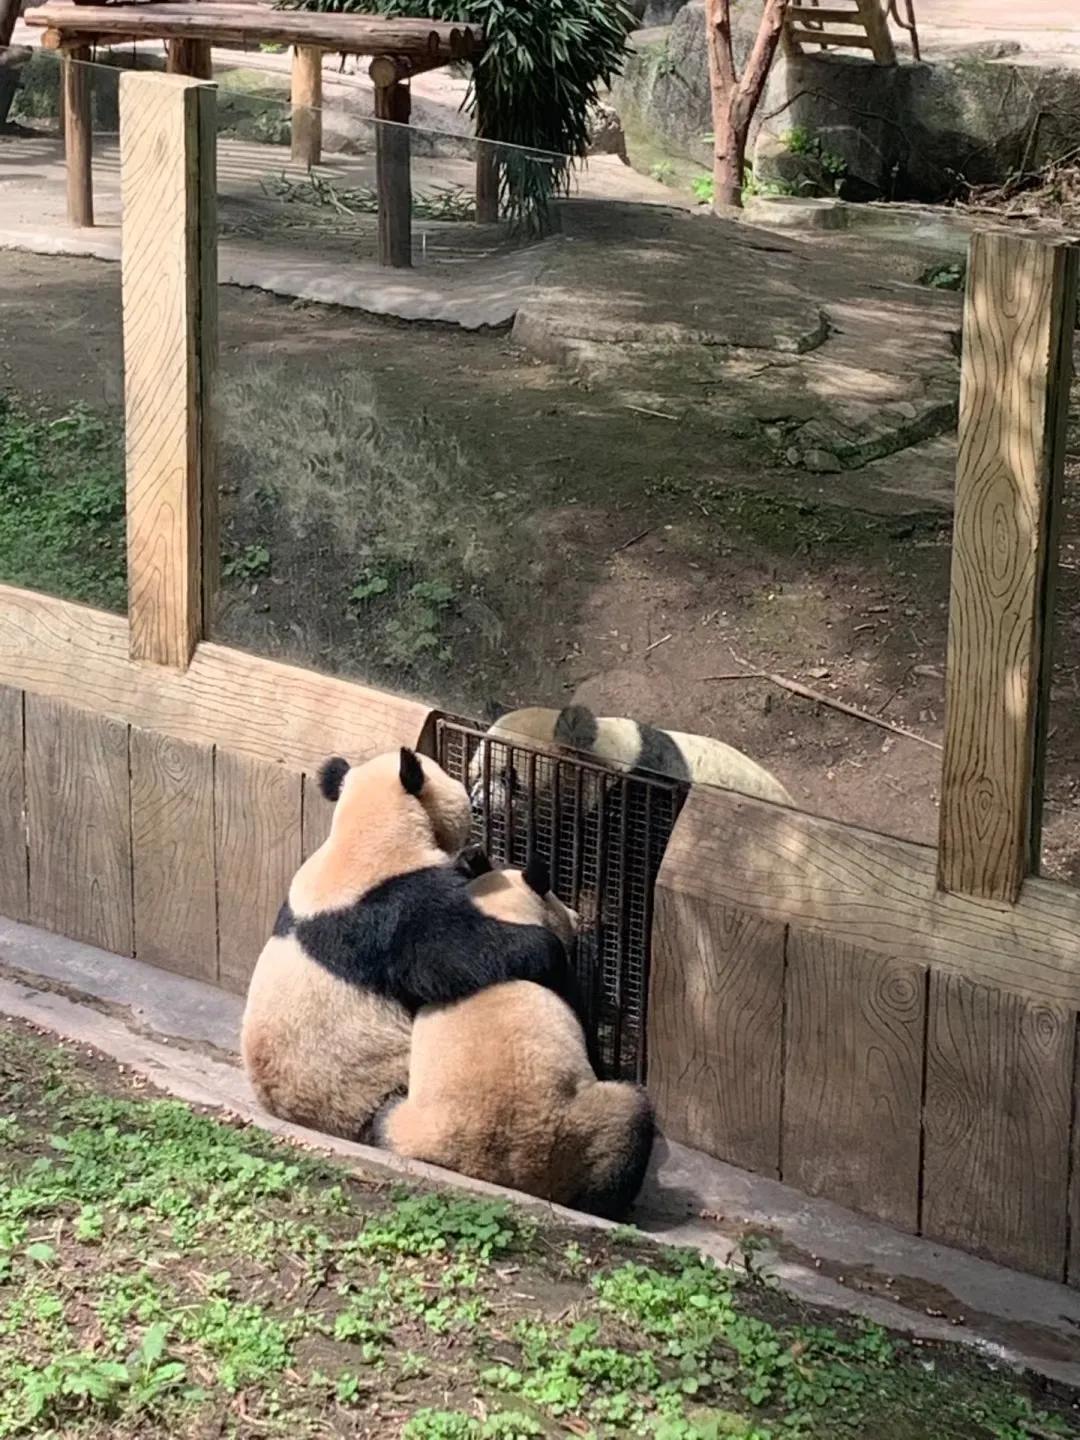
669, 568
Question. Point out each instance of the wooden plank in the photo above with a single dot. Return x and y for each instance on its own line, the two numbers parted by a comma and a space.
1073, 1267
877, 29
13, 896
257, 823
1015, 376
78, 806
831, 37
189, 57
802, 13
172, 823
167, 149
873, 891
393, 180
999, 1075
853, 1077
78, 134
256, 707
318, 813
252, 25
716, 1030
307, 100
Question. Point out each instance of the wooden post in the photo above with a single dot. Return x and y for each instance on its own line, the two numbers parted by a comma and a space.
876, 26
392, 163
189, 57
307, 99
167, 169
78, 134
1019, 314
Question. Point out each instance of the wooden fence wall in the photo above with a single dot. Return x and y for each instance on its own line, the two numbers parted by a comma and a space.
890, 1025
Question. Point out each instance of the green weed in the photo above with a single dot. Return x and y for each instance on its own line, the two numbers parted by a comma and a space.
62, 504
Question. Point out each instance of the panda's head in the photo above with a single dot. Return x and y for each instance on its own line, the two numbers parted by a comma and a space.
535, 726
525, 897
400, 799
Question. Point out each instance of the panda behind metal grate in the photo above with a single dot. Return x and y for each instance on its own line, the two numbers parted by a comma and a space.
603, 834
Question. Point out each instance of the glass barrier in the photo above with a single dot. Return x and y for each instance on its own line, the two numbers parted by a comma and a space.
689, 475
61, 366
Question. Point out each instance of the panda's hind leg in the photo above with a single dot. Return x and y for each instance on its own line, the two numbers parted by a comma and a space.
615, 1127
414, 1131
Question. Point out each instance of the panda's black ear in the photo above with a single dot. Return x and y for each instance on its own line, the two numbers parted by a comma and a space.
412, 772
332, 774
538, 876
493, 711
576, 728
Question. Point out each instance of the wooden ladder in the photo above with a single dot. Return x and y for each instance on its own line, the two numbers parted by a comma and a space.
841, 25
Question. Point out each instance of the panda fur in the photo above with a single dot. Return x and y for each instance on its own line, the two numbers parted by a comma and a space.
378, 921
629, 746
501, 1088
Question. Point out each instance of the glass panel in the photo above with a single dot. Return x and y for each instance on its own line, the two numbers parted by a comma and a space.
61, 366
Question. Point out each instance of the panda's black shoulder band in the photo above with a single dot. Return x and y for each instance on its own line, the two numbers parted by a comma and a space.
537, 875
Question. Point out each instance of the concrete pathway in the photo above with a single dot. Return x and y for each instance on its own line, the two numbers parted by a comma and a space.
181, 1035
1047, 30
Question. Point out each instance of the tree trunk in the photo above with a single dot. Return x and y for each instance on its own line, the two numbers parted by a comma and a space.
733, 100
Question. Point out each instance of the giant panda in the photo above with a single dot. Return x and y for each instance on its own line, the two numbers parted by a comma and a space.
378, 922
625, 745
501, 1088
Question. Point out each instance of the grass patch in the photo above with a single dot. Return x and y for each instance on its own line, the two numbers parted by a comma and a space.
62, 503
163, 1273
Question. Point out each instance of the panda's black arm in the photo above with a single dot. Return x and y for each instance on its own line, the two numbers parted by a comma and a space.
438, 972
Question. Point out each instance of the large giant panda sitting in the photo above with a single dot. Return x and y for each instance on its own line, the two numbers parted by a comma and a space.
626, 745
501, 1088
379, 921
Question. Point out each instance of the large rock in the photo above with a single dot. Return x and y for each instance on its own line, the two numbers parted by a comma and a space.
917, 132
662, 95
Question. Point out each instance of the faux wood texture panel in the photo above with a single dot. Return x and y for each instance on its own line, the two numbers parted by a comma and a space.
170, 335
999, 1080
79, 822
1015, 378
13, 898
872, 891
258, 810
318, 813
853, 1083
715, 1029
243, 703
172, 818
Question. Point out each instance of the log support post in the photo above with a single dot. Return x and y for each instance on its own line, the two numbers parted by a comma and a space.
167, 165
1019, 315
392, 162
189, 57
78, 134
307, 99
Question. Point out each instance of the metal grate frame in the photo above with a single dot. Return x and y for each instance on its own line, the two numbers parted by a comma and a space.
603, 833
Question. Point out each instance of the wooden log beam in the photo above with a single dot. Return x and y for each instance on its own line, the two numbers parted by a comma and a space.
189, 57
78, 135
877, 30
251, 25
1016, 369
168, 175
393, 180
307, 99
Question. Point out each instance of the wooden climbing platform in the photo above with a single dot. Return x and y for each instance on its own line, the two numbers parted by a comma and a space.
851, 25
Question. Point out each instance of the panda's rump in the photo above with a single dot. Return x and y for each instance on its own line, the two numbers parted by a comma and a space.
319, 1052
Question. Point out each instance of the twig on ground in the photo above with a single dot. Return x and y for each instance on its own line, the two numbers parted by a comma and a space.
797, 688
633, 540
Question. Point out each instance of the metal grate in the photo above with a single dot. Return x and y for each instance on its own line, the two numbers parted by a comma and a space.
603, 834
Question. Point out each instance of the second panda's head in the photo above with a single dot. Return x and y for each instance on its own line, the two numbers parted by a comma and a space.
393, 814
525, 897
